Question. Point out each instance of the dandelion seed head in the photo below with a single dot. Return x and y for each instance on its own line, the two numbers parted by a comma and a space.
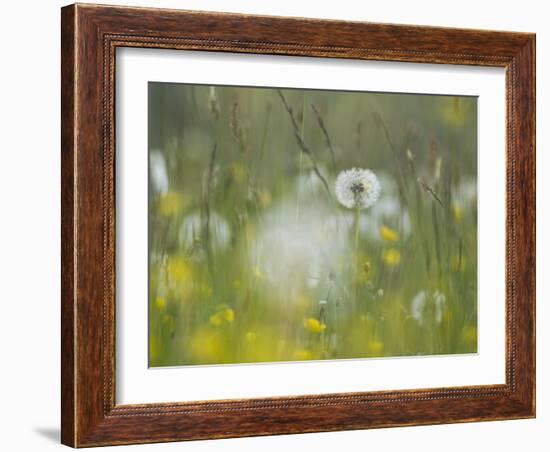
357, 188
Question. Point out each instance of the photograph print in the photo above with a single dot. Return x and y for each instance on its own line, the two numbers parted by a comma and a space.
295, 224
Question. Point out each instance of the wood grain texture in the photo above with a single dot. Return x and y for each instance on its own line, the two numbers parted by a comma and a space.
90, 36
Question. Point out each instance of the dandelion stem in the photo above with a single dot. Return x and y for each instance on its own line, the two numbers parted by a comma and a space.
357, 216
356, 257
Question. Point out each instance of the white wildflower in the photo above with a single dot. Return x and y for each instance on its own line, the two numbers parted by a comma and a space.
297, 253
465, 195
357, 188
424, 302
158, 172
439, 302
213, 102
417, 306
193, 227
314, 274
212, 94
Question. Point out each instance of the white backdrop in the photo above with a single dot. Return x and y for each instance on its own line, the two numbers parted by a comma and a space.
29, 230
135, 383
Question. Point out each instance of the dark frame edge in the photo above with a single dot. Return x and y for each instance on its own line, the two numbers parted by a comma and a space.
524, 67
68, 296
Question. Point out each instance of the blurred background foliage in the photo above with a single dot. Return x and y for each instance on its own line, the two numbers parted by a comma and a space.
252, 259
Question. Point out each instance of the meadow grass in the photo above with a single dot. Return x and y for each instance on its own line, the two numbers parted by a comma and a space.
254, 258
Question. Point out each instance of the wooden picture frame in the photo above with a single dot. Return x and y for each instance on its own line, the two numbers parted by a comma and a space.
90, 36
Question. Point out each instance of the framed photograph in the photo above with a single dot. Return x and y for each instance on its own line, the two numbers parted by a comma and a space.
281, 225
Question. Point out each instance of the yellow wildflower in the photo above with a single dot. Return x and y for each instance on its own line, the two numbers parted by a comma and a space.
170, 204
153, 347
469, 334
458, 264
457, 213
375, 347
205, 290
388, 234
258, 273
223, 314
302, 355
228, 315
206, 346
237, 284
238, 172
447, 315
264, 198
454, 111
314, 325
160, 303
216, 319
178, 270
391, 257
